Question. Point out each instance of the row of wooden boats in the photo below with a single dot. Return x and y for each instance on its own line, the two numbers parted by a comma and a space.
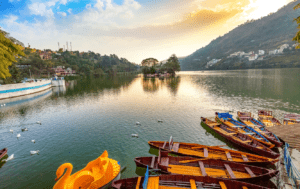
199, 166
268, 120
202, 166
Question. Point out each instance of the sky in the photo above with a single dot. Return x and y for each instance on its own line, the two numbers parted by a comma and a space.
132, 29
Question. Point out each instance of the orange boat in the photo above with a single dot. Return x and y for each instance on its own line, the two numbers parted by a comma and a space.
213, 152
267, 118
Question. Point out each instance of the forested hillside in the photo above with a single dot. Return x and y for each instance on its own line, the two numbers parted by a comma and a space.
266, 34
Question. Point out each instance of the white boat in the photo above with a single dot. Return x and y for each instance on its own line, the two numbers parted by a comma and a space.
58, 81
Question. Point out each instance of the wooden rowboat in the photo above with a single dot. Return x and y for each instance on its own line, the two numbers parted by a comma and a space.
267, 118
181, 182
240, 139
247, 119
212, 152
205, 167
3, 152
290, 119
227, 119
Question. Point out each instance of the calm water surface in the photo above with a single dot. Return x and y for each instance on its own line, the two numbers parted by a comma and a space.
89, 116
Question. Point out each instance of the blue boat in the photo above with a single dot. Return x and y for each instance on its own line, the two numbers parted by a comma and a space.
227, 119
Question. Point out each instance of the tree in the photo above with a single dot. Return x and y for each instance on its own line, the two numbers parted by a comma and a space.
297, 37
149, 62
172, 65
8, 52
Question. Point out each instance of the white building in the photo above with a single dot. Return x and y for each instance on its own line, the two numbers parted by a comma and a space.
275, 51
212, 62
282, 47
253, 57
261, 52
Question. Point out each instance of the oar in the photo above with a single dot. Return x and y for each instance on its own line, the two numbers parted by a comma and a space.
208, 146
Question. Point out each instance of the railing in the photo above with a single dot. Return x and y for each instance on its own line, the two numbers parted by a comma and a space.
291, 169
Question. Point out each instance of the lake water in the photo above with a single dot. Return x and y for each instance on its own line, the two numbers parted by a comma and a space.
89, 116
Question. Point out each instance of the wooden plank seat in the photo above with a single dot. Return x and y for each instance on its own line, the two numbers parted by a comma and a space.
247, 141
164, 144
228, 155
222, 184
164, 161
138, 183
201, 165
175, 147
205, 152
229, 170
245, 187
152, 162
250, 172
193, 184
245, 158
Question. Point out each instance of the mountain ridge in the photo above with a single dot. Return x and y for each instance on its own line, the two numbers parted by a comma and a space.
266, 33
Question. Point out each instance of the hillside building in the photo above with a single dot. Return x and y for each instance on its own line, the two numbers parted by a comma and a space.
261, 52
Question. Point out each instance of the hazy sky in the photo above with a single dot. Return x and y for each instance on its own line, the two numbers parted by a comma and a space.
133, 29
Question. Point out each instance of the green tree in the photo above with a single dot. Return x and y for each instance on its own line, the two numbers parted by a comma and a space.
8, 52
297, 37
149, 62
172, 65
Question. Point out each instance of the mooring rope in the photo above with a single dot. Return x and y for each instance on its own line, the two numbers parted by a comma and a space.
291, 169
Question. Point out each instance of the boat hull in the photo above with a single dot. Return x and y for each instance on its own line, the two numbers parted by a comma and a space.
254, 159
183, 181
3, 152
270, 136
266, 152
211, 165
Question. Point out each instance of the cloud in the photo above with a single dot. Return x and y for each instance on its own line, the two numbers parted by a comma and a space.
62, 13
40, 9
69, 11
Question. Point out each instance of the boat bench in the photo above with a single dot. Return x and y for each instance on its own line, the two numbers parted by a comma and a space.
229, 170
250, 172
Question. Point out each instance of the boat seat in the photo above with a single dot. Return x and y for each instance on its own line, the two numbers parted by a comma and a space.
138, 183
244, 187
222, 184
228, 155
193, 184
164, 161
247, 141
229, 170
205, 152
237, 126
250, 172
175, 147
152, 162
164, 144
201, 165
245, 158
231, 133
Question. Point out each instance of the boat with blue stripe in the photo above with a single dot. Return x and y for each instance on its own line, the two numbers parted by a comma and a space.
227, 119
247, 119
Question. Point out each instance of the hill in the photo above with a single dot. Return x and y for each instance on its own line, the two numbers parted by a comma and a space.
267, 33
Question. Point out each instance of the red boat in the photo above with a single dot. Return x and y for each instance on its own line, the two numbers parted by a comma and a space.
205, 167
3, 152
267, 118
181, 182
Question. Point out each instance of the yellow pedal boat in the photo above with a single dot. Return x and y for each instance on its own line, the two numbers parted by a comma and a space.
98, 173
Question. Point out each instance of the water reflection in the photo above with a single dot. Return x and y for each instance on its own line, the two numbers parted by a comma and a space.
173, 84
154, 84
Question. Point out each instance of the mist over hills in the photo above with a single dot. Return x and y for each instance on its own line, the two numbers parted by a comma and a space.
267, 33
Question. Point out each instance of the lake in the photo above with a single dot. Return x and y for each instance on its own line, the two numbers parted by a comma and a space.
88, 116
